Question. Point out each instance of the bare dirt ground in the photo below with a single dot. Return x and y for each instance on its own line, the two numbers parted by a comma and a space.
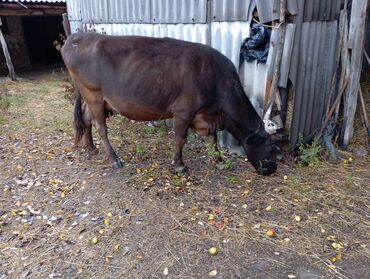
64, 214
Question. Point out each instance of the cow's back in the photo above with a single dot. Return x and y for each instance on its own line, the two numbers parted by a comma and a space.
154, 74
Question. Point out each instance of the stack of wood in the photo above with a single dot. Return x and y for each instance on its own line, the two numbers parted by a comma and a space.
352, 30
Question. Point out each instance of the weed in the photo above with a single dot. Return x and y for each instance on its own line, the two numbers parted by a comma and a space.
225, 165
310, 154
140, 150
219, 157
176, 180
191, 136
233, 179
294, 182
212, 152
149, 130
4, 102
352, 184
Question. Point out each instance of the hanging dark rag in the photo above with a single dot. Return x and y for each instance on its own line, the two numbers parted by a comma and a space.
256, 47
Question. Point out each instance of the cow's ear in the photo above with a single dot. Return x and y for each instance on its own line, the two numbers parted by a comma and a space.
255, 139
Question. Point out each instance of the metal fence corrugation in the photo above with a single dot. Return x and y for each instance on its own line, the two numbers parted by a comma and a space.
232, 10
129, 11
36, 1
74, 11
179, 11
269, 10
94, 10
319, 10
315, 67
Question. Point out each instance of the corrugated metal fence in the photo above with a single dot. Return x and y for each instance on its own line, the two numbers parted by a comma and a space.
309, 51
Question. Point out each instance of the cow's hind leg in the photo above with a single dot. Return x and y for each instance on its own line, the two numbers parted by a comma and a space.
87, 136
88, 139
182, 125
99, 115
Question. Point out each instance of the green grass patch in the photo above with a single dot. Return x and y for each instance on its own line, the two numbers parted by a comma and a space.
38, 105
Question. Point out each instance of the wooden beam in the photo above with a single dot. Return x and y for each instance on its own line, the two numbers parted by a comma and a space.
7, 56
367, 57
356, 43
274, 90
29, 12
66, 26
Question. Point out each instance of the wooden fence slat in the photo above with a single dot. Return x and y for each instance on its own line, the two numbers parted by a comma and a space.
356, 43
7, 56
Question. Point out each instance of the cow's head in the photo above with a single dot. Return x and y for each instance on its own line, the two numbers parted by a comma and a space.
261, 152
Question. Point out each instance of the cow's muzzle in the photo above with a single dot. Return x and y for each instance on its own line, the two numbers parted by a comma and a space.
266, 167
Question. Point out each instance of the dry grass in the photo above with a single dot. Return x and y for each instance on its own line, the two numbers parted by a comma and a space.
161, 220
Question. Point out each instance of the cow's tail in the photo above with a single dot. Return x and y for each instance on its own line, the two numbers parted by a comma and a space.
78, 122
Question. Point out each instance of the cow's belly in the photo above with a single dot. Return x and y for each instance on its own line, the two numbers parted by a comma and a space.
139, 112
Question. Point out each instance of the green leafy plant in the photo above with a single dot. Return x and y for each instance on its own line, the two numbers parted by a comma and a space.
140, 150
212, 152
225, 165
218, 157
310, 154
233, 179
149, 130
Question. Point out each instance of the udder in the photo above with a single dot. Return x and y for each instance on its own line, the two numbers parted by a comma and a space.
204, 124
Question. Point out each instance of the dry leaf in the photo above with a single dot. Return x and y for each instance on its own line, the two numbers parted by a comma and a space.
213, 273
337, 246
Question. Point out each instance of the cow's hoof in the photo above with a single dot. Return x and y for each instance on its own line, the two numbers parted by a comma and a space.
93, 151
181, 170
118, 164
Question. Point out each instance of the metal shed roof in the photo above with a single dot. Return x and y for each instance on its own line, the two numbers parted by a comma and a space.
36, 1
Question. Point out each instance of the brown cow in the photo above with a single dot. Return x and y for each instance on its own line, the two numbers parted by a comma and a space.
150, 79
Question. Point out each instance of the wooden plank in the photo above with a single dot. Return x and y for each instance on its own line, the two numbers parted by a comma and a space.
66, 26
363, 109
30, 12
367, 57
356, 43
7, 57
274, 91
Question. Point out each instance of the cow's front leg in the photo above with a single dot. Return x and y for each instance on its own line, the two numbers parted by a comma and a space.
177, 158
181, 131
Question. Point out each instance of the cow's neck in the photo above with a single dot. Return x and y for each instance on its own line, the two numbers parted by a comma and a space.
242, 119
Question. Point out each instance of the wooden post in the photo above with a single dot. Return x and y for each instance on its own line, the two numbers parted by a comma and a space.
364, 117
7, 55
66, 26
274, 90
356, 42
